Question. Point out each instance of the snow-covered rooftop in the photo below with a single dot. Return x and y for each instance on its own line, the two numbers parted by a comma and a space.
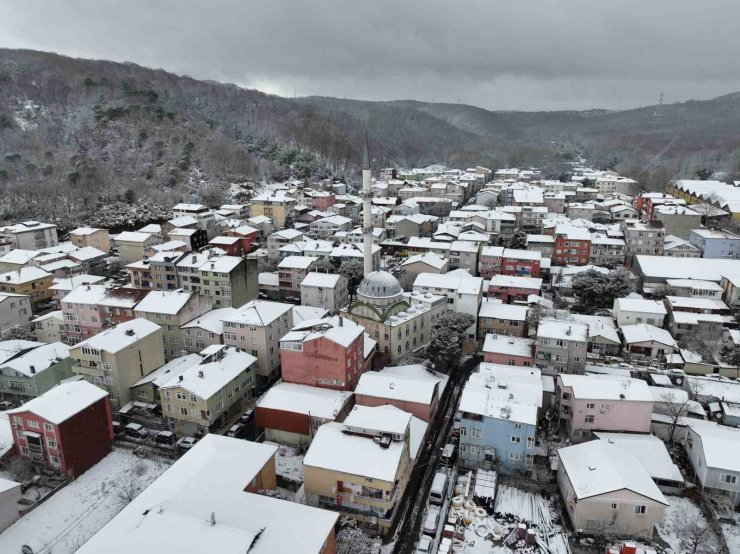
606, 388
597, 467
323, 280
164, 302
514, 346
562, 330
639, 305
209, 378
60, 403
121, 336
649, 450
642, 332
304, 399
211, 479
334, 450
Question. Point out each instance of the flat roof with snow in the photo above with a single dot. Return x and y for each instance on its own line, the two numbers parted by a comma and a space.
60, 403
304, 399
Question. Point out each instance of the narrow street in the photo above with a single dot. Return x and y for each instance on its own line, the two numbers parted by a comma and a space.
408, 523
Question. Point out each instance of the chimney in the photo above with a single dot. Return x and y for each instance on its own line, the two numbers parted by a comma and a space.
180, 378
200, 374
213, 518
130, 332
341, 321
33, 369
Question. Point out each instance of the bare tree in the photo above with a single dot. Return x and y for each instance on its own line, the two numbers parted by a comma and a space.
131, 483
674, 406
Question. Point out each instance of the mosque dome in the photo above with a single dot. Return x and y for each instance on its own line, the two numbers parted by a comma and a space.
380, 288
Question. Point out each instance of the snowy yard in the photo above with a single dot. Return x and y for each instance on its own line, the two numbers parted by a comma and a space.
484, 534
288, 463
684, 525
732, 536
69, 518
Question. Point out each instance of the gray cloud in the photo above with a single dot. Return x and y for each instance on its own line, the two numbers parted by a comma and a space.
498, 54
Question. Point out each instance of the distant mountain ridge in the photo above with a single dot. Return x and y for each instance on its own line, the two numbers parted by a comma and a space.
70, 125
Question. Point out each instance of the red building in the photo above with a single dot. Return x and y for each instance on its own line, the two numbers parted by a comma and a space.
233, 246
247, 234
512, 288
524, 263
117, 306
504, 350
68, 429
572, 246
330, 353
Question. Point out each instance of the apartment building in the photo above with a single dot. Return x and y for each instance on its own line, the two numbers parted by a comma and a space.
30, 235
257, 327
716, 243
133, 245
324, 290
47, 429
276, 205
202, 398
15, 311
572, 245
361, 467
171, 310
90, 236
600, 403
497, 318
330, 353
561, 346
31, 369
118, 357
29, 281
646, 238
291, 272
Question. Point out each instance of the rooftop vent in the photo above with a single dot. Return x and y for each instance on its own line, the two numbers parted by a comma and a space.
130, 332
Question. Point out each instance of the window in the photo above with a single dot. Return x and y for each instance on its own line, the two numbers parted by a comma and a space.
640, 509
614, 506
589, 419
17, 420
193, 398
463, 431
476, 433
170, 408
55, 460
48, 427
516, 440
515, 456
566, 396
517, 426
729, 479
33, 424
530, 442
52, 443
590, 406
183, 411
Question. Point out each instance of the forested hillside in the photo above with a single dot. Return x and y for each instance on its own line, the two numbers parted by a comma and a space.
78, 135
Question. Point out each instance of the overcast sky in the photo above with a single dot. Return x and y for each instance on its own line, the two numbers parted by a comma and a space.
497, 54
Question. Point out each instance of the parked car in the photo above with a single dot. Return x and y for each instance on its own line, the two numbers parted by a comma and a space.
118, 428
187, 443
431, 523
136, 431
424, 546
237, 430
165, 437
247, 416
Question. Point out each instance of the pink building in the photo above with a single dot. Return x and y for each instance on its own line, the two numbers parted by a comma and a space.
291, 271
587, 404
323, 200
516, 351
331, 353
81, 313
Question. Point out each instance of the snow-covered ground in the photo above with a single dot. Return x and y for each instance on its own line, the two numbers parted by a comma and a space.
73, 515
288, 463
684, 525
731, 534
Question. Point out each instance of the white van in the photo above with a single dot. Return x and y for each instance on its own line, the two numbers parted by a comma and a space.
439, 489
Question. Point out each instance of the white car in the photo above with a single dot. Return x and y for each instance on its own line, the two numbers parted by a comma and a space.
431, 523
424, 546
187, 442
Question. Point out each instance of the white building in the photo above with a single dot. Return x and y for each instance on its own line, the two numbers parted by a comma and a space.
630, 311
324, 290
